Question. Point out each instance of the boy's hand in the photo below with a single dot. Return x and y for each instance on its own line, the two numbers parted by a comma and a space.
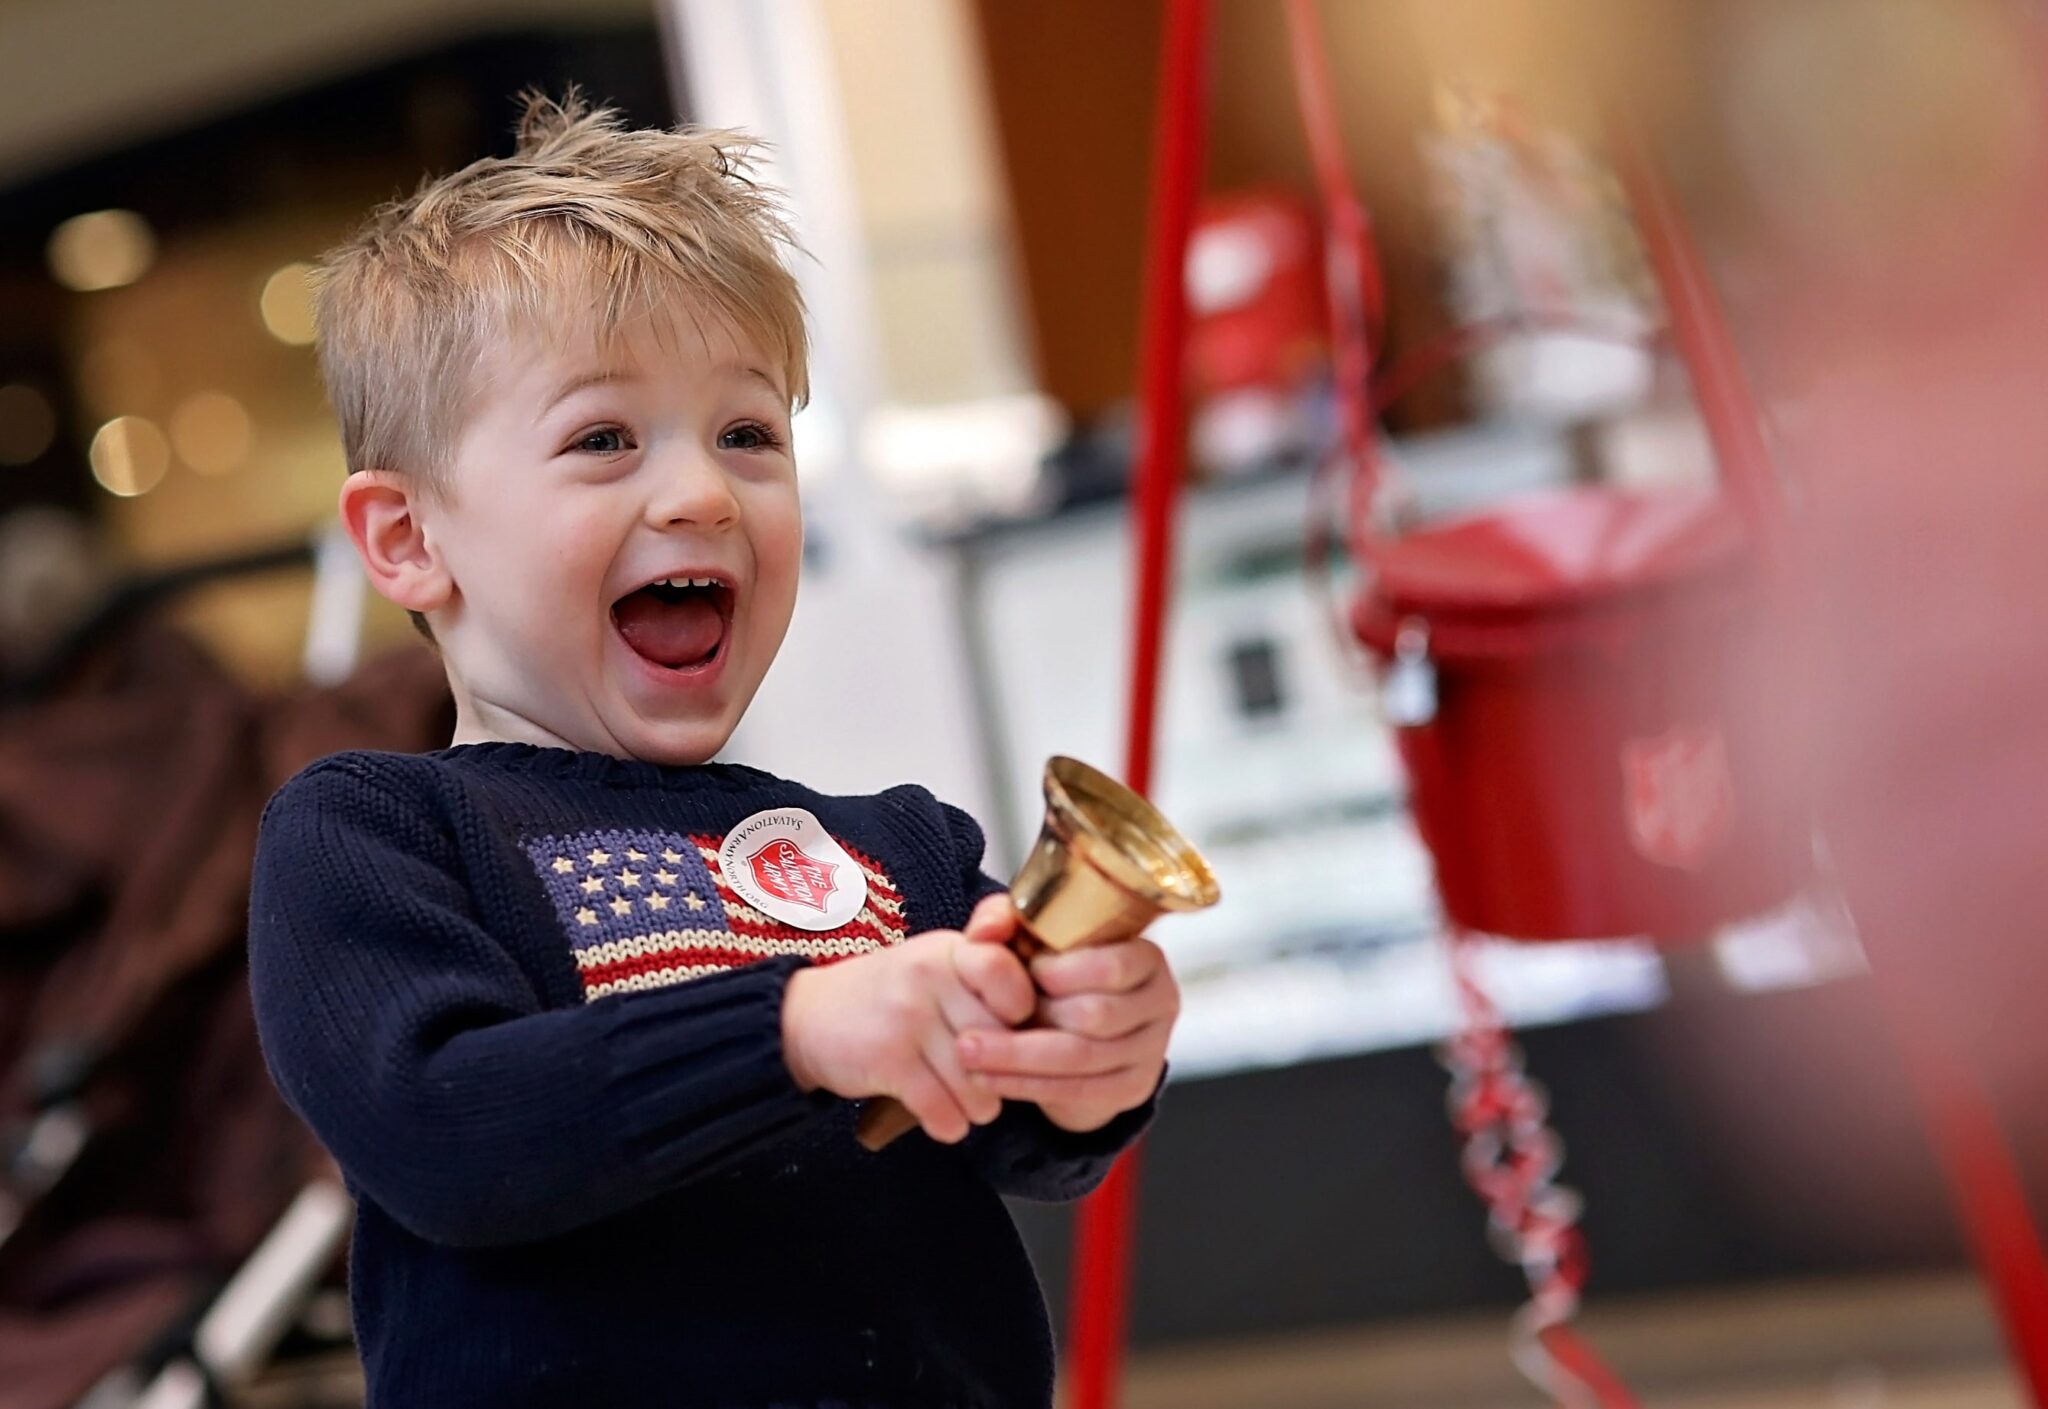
886, 1024
1105, 1014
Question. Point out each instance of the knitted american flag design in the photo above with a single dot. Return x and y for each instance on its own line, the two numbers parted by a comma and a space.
644, 909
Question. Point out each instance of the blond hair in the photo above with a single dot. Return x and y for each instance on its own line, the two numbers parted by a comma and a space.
585, 218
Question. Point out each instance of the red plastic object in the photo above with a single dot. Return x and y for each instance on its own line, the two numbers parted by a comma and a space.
1600, 761
1255, 283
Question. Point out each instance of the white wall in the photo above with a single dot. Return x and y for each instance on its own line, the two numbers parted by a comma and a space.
872, 687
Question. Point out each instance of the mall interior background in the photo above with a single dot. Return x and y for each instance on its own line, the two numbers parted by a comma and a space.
970, 178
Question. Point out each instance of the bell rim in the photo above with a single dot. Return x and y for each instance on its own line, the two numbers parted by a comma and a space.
1068, 780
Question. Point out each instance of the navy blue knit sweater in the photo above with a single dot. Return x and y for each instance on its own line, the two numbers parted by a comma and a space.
511, 991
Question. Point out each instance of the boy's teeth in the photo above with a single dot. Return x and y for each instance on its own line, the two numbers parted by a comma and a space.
688, 582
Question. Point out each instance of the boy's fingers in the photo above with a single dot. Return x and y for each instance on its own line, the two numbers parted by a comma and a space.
1105, 968
976, 1104
927, 1098
998, 978
1122, 1089
1045, 1052
959, 1011
1111, 1015
994, 920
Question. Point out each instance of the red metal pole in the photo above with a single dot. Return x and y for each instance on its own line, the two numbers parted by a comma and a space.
1727, 403
1351, 265
1984, 1181
1102, 1241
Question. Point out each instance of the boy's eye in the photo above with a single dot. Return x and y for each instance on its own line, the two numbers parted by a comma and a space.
609, 441
749, 435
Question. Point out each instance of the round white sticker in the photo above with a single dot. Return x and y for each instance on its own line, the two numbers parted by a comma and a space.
786, 865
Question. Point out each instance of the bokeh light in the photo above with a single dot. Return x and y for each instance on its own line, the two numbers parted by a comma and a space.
287, 304
211, 432
129, 456
102, 249
28, 423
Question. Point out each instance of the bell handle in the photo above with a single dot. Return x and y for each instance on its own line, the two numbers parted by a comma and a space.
883, 1121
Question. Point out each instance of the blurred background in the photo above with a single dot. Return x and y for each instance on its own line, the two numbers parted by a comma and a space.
180, 628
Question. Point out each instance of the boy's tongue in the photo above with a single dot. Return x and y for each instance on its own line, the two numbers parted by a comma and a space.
670, 633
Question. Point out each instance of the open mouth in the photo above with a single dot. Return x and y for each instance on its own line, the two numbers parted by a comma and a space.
679, 623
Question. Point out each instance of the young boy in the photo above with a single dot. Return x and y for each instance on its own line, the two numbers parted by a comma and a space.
583, 1016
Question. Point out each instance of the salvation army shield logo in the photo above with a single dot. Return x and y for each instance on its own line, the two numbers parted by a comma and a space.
786, 865
783, 870
1678, 796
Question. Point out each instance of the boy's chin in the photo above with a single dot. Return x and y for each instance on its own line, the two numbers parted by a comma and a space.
679, 744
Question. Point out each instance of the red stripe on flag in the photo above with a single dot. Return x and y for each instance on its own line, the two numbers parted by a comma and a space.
644, 964
852, 929
878, 878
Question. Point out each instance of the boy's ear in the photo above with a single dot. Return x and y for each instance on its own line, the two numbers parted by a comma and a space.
380, 511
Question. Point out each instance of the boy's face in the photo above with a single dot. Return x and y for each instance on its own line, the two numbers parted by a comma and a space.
585, 478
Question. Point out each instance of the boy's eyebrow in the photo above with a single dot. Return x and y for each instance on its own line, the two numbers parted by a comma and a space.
605, 375
577, 383
773, 385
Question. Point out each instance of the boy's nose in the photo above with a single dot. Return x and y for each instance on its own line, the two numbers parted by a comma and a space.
694, 491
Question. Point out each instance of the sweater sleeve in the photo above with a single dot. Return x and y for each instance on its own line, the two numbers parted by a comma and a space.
1021, 1153
422, 1056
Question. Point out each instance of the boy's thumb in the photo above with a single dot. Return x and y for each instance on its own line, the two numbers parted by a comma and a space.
994, 920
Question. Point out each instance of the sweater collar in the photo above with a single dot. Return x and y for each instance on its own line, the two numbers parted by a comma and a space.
590, 766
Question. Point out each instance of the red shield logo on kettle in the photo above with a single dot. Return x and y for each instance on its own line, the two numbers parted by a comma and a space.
1678, 796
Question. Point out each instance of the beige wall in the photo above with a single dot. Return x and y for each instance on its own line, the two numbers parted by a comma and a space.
920, 135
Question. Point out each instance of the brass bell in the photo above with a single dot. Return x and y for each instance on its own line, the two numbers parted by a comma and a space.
1105, 864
